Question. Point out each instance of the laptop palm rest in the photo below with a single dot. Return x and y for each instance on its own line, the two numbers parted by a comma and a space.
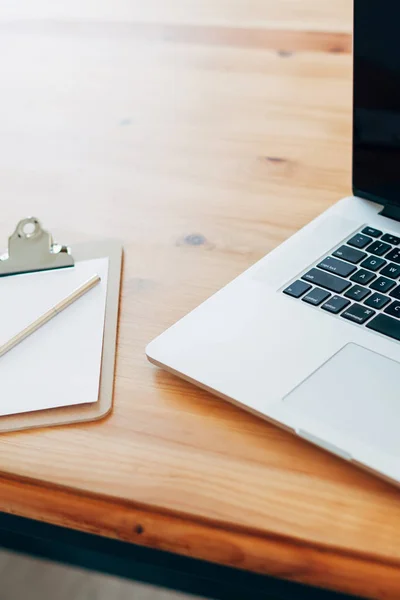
356, 393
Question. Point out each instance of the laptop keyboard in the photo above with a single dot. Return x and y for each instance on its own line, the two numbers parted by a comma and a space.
359, 282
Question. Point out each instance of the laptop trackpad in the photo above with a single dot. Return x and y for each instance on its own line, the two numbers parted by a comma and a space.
356, 392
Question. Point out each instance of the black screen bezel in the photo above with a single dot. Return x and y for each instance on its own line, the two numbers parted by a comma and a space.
356, 190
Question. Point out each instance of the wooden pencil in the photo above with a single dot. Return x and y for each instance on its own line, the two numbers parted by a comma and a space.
47, 316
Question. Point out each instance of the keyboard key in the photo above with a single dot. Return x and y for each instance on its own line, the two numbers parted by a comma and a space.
395, 293
358, 314
391, 270
391, 239
362, 276
350, 254
382, 284
393, 309
375, 233
372, 263
377, 301
316, 297
335, 304
333, 265
378, 248
327, 281
357, 292
394, 256
386, 325
359, 241
297, 289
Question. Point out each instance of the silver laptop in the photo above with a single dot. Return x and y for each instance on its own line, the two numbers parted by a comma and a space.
309, 337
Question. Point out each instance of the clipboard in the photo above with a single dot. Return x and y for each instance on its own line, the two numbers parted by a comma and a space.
56, 258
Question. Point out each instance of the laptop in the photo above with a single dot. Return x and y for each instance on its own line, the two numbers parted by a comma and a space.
309, 337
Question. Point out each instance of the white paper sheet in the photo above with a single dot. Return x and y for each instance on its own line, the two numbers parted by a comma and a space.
60, 364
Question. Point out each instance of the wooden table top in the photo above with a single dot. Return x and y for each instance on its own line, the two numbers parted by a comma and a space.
202, 133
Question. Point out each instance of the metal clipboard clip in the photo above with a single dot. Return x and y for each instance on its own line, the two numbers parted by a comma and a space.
31, 248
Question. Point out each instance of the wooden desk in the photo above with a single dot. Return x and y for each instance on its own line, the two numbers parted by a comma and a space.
203, 133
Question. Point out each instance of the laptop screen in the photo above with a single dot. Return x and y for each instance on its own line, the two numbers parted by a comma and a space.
376, 124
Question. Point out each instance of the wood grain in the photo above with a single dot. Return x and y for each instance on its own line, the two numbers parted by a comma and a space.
168, 125
263, 553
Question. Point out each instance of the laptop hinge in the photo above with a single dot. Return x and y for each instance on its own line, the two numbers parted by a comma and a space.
392, 211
